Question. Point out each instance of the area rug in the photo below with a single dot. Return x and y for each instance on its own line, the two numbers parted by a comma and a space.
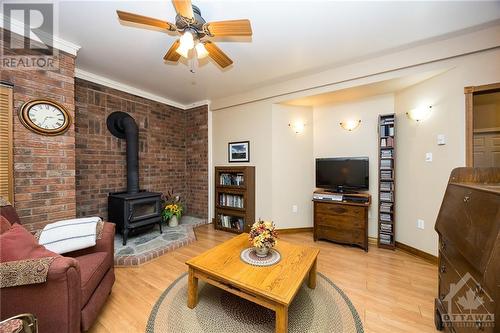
325, 309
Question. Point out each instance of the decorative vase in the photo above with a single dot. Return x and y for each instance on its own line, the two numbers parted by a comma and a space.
261, 251
173, 222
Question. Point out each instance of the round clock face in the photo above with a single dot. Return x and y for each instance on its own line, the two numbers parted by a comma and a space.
45, 117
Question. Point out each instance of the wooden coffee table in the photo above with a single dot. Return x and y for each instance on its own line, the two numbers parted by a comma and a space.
273, 287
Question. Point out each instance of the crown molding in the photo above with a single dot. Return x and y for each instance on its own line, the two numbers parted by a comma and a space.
88, 76
18, 27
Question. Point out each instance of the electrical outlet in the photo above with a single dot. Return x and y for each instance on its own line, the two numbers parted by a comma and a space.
420, 224
295, 209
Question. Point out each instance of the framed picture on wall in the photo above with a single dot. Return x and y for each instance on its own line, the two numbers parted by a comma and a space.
239, 151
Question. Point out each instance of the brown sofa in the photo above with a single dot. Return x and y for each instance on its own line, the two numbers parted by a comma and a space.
77, 286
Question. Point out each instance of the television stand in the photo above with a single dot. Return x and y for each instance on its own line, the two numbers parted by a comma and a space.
345, 221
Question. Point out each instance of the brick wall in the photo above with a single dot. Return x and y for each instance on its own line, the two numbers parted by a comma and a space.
44, 167
197, 160
167, 136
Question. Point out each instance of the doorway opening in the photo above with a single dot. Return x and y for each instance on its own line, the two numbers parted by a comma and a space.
483, 125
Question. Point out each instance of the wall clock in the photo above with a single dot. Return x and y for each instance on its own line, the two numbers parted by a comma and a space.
45, 117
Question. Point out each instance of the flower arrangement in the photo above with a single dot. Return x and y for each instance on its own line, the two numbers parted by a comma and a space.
263, 234
172, 206
171, 210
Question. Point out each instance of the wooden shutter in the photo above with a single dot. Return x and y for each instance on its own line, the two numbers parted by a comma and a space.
6, 142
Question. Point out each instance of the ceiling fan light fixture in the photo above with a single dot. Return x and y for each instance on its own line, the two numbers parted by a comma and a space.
183, 51
201, 51
187, 40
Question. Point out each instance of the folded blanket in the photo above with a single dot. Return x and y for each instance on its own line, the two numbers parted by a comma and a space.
70, 235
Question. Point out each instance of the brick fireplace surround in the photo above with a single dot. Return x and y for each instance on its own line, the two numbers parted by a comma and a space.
173, 149
70, 175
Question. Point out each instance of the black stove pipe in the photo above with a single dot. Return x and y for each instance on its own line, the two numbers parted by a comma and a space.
123, 126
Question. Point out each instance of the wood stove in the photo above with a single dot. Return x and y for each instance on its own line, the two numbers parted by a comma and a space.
133, 208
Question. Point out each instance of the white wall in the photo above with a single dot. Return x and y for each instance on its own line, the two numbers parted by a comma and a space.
292, 167
251, 122
331, 140
420, 185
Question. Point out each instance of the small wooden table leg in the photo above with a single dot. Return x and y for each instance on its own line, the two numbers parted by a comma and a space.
192, 290
282, 319
312, 275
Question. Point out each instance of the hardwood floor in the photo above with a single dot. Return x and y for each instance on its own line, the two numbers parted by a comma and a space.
392, 291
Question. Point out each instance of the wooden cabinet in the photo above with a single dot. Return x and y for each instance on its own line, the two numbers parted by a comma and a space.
342, 222
234, 198
468, 225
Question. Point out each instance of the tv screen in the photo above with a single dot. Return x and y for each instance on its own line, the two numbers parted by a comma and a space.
338, 174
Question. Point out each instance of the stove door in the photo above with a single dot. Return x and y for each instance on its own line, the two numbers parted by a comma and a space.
141, 209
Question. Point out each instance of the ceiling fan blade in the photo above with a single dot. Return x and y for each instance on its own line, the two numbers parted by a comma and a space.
217, 55
228, 28
171, 55
135, 18
184, 8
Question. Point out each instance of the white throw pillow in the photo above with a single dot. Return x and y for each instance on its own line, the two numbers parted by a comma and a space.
69, 235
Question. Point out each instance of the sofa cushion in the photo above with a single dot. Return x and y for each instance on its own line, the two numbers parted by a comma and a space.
4, 224
93, 267
18, 243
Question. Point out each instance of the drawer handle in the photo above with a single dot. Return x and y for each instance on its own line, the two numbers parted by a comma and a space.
442, 269
479, 325
466, 198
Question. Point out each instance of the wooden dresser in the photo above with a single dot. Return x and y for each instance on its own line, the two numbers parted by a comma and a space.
342, 222
468, 225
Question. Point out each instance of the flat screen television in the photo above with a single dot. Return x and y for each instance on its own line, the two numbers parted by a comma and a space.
342, 174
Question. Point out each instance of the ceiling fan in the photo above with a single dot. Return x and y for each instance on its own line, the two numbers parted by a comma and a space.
193, 29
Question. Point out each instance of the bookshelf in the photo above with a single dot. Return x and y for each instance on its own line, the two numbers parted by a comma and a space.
234, 198
387, 181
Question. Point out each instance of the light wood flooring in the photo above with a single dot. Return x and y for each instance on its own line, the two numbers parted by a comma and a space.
392, 291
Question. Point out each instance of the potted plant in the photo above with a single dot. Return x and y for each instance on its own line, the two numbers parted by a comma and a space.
172, 209
263, 237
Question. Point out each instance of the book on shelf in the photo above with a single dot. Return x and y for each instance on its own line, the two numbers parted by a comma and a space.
386, 130
231, 200
387, 142
385, 217
386, 207
386, 227
385, 174
387, 121
387, 153
385, 164
385, 238
386, 196
386, 186
232, 179
232, 222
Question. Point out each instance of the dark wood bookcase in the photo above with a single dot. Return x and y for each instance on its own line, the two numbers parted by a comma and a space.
387, 181
234, 198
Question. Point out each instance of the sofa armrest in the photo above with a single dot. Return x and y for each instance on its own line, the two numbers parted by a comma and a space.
56, 302
105, 244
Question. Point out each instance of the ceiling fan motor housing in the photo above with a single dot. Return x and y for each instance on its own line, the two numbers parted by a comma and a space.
183, 24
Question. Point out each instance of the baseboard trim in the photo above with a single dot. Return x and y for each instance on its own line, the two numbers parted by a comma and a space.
418, 253
294, 230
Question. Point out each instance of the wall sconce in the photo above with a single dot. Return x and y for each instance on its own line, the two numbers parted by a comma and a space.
419, 114
350, 125
297, 126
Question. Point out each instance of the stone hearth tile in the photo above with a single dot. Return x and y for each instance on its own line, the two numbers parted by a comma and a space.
147, 246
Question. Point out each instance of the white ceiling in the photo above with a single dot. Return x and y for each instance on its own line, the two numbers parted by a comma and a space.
290, 38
